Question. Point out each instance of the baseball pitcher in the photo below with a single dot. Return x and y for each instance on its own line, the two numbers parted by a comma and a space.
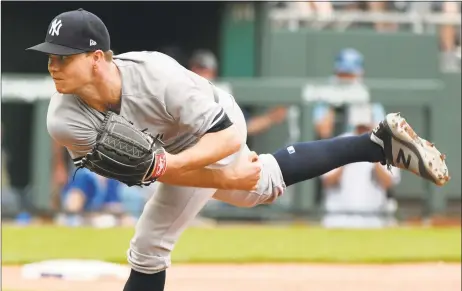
141, 117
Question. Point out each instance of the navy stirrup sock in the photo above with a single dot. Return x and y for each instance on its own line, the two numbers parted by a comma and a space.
307, 160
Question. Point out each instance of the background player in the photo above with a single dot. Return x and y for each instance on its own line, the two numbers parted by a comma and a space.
204, 133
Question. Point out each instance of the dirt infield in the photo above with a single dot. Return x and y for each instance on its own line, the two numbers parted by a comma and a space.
287, 277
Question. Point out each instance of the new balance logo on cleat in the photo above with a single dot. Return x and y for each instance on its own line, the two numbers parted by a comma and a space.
402, 159
394, 134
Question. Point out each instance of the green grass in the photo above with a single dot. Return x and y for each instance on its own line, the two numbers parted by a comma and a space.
240, 245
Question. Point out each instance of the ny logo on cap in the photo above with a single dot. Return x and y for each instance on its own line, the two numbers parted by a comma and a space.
55, 27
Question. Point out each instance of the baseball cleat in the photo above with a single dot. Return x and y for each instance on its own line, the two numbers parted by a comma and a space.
404, 149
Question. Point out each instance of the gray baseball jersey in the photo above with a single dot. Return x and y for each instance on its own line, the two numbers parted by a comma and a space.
161, 95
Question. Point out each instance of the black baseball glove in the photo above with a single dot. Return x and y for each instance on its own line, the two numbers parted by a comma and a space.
125, 153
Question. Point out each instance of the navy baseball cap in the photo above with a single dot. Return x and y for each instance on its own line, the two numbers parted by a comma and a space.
75, 32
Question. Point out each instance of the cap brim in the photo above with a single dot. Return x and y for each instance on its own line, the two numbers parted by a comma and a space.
55, 49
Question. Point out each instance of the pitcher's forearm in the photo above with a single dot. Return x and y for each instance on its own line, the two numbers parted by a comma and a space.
202, 178
211, 148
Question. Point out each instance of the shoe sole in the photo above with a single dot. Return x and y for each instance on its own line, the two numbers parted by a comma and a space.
430, 157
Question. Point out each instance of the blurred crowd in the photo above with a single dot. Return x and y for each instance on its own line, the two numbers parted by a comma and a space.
449, 35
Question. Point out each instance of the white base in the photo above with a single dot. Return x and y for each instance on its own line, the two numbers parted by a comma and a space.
70, 269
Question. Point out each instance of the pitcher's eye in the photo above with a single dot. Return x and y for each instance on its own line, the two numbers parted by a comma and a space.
58, 59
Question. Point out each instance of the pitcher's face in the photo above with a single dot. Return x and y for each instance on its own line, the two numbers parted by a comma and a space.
70, 72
